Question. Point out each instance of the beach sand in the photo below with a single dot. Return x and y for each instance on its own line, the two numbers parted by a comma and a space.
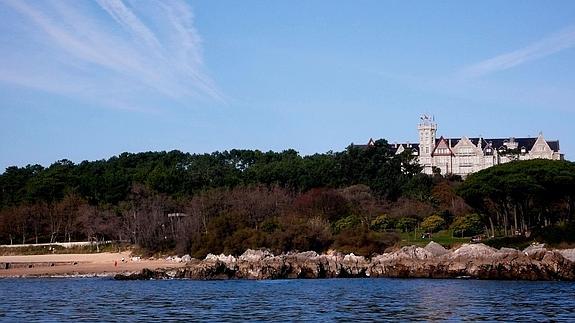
97, 264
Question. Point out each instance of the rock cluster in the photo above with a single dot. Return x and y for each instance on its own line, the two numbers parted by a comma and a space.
434, 261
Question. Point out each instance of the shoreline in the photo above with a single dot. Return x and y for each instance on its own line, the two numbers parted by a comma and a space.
104, 264
470, 261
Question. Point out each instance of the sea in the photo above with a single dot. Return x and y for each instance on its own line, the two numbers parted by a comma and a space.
324, 300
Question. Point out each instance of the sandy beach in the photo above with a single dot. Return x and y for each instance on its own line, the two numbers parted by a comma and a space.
100, 264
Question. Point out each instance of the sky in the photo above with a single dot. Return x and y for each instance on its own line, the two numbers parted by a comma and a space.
87, 80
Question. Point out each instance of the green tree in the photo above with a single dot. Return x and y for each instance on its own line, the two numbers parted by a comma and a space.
406, 224
381, 223
432, 223
522, 195
468, 225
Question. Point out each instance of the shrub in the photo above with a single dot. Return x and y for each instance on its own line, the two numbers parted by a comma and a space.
349, 222
555, 234
363, 242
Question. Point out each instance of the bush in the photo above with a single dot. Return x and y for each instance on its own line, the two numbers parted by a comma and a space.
556, 234
363, 242
346, 223
298, 234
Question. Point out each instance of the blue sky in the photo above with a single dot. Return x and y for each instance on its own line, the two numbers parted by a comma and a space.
86, 80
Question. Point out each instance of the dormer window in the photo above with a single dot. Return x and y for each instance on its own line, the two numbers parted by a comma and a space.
523, 150
488, 150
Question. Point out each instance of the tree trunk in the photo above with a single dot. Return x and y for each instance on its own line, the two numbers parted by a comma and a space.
515, 219
505, 222
492, 227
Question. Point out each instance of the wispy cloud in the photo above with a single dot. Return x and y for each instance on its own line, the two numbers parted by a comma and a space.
547, 46
131, 51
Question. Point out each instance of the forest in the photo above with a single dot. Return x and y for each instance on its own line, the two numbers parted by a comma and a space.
361, 200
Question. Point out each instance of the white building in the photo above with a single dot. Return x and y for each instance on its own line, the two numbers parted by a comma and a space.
462, 156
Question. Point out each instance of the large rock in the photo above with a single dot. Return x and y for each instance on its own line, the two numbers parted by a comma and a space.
435, 249
568, 254
473, 251
433, 261
535, 251
229, 261
353, 266
255, 255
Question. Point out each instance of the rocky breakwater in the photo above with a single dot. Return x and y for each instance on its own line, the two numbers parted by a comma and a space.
476, 261
470, 260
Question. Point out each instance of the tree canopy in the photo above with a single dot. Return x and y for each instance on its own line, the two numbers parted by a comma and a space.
357, 199
523, 194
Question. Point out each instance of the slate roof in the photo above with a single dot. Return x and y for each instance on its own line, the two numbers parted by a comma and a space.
495, 143
500, 142
394, 147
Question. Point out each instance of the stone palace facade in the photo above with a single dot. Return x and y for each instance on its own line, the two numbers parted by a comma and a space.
463, 156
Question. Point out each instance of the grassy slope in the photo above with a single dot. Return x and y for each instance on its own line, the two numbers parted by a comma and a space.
444, 238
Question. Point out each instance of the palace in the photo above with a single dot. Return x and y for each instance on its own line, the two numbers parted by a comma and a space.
463, 156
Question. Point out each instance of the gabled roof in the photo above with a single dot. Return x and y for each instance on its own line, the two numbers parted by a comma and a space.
441, 144
497, 143
494, 143
526, 143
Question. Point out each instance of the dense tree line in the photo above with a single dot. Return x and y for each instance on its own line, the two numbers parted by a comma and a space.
281, 200
181, 174
519, 196
356, 200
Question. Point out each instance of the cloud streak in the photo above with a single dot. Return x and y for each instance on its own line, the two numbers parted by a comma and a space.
103, 49
550, 45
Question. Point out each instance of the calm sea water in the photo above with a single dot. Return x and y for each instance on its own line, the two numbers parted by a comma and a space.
103, 299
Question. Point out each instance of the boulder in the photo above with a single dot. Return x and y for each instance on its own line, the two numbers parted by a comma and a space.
229, 260
254, 255
568, 254
304, 265
473, 251
353, 266
535, 251
435, 249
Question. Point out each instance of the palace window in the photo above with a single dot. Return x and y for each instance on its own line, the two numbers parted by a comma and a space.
466, 151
